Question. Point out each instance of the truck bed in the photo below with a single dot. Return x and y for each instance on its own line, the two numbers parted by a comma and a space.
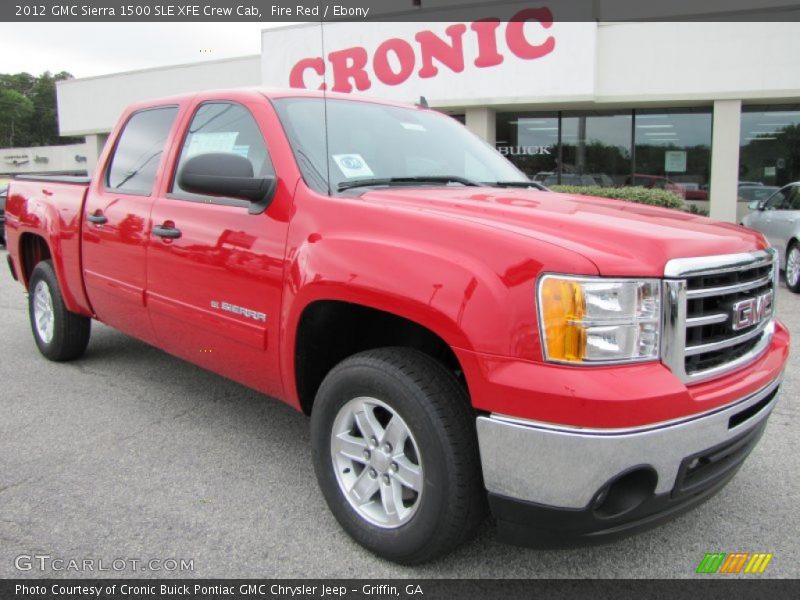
49, 208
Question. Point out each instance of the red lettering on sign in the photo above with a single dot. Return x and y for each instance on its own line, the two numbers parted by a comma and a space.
395, 59
296, 76
486, 32
433, 47
404, 53
515, 33
349, 64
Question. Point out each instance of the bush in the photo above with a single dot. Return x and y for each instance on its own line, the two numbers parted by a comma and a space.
640, 195
696, 210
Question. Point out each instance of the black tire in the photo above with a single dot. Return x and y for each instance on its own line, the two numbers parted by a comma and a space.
70, 332
796, 286
437, 411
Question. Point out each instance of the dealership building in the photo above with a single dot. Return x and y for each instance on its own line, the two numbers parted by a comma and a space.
699, 107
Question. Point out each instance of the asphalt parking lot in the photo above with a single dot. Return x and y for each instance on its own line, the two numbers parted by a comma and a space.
130, 453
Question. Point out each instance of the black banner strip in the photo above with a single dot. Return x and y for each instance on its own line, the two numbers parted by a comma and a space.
423, 589
389, 10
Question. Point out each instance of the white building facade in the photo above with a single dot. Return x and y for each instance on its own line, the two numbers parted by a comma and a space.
72, 159
697, 107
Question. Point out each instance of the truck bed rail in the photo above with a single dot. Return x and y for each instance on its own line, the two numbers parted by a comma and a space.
69, 179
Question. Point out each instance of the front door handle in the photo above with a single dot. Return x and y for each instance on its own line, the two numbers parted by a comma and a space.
167, 231
97, 218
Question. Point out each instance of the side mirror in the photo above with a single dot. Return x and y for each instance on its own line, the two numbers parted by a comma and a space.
229, 175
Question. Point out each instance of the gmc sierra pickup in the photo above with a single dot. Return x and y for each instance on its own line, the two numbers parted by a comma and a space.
584, 367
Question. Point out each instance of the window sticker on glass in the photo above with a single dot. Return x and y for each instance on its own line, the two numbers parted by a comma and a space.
202, 143
413, 127
241, 150
353, 165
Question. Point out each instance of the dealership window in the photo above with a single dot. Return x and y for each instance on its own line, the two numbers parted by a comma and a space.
769, 145
595, 148
530, 141
653, 148
673, 151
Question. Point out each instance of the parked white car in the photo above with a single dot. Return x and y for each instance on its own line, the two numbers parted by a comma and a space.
778, 218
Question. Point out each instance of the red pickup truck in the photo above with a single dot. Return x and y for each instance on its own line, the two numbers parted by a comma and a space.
590, 367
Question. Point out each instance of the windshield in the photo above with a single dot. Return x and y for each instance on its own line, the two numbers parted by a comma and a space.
368, 141
748, 194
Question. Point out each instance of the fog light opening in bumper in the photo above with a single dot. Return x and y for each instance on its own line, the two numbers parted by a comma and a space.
625, 492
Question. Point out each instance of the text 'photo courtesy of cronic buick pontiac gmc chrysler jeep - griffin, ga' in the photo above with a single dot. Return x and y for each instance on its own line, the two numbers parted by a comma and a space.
463, 341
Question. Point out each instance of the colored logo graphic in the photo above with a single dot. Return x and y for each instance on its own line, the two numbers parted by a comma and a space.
351, 162
735, 563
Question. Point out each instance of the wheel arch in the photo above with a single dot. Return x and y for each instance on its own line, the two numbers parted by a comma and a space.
33, 249
330, 330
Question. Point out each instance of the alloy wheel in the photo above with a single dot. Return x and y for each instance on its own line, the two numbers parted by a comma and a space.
43, 313
377, 462
793, 266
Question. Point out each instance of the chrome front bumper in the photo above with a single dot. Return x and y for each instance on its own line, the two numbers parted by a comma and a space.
567, 467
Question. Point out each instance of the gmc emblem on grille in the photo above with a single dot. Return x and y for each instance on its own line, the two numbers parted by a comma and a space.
752, 311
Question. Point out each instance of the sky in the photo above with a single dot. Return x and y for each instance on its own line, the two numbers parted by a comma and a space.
88, 49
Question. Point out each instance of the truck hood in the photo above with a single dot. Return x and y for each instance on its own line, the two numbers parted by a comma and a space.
620, 238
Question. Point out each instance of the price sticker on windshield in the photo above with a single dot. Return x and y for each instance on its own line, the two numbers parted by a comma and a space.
353, 165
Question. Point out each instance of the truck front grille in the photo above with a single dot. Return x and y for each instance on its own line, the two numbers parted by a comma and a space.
704, 333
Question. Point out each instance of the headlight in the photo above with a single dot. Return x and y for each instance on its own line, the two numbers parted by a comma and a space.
598, 320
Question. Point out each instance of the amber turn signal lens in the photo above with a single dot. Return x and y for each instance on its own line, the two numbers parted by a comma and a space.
563, 309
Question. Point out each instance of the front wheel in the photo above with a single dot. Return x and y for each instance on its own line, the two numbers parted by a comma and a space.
396, 455
793, 267
59, 334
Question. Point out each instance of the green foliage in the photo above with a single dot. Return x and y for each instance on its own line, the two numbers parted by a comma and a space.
641, 195
15, 113
696, 210
28, 111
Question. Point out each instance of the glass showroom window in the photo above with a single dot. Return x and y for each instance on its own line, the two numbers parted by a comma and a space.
673, 151
666, 148
769, 146
595, 148
530, 141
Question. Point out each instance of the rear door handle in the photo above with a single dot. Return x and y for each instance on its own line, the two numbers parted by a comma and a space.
97, 218
166, 231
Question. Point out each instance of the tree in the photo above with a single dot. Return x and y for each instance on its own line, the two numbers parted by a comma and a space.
15, 113
29, 111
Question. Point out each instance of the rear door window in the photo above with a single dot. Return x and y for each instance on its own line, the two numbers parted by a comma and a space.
134, 165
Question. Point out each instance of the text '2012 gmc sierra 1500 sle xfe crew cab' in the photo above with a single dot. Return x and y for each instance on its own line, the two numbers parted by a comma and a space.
589, 367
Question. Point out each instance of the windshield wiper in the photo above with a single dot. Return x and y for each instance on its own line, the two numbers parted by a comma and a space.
517, 184
346, 185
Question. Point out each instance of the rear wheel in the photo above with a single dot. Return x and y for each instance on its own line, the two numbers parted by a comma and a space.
793, 267
396, 456
59, 334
